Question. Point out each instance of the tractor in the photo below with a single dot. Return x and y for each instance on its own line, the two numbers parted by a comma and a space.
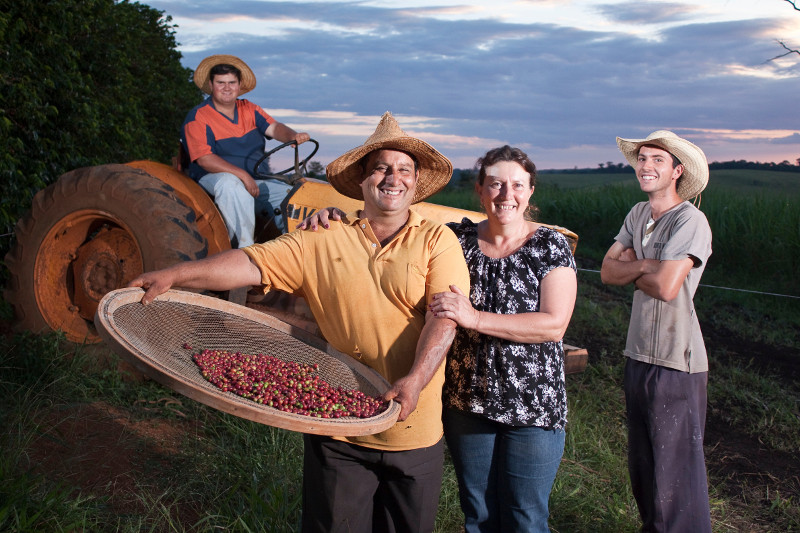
97, 228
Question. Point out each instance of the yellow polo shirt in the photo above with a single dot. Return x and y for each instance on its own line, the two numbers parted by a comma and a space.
370, 301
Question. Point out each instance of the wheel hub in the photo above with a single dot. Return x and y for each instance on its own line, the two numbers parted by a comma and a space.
107, 262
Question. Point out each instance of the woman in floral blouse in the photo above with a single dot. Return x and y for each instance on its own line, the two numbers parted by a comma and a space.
504, 394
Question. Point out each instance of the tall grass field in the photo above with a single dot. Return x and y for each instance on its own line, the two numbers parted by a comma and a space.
186, 467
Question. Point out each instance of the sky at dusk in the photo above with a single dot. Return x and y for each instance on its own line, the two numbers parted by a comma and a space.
558, 78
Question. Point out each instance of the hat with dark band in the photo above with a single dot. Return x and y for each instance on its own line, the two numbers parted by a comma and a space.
695, 165
202, 79
435, 170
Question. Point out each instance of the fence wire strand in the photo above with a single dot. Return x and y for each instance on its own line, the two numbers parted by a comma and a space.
724, 288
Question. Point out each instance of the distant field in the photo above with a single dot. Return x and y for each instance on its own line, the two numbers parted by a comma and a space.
755, 180
571, 180
744, 180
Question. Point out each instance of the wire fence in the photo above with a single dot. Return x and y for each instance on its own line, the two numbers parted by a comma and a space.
723, 288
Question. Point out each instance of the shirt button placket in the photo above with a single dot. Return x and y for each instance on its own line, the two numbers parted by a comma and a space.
374, 245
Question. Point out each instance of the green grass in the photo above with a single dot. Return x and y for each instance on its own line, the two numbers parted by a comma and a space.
746, 396
234, 475
591, 491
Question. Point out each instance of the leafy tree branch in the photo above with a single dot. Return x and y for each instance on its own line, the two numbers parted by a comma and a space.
84, 82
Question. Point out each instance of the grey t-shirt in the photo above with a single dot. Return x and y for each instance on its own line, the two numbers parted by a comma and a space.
668, 333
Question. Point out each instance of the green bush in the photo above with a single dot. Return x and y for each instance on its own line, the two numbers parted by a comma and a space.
84, 82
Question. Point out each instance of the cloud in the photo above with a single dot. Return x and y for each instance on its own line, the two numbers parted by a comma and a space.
647, 12
469, 81
794, 138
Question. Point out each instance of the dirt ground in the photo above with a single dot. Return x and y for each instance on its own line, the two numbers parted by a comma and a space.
740, 464
105, 450
102, 450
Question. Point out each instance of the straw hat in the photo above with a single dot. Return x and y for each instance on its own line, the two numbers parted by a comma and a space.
695, 173
435, 170
201, 78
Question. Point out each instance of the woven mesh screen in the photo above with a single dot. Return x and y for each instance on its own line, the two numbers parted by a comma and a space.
159, 331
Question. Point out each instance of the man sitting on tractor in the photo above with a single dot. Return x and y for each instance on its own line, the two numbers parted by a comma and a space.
224, 139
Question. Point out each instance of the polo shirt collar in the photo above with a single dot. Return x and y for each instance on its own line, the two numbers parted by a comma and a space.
414, 218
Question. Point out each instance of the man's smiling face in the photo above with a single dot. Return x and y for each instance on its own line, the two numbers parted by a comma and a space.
390, 181
225, 89
655, 171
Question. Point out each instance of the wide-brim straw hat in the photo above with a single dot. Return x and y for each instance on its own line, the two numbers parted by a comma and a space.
201, 74
695, 164
435, 170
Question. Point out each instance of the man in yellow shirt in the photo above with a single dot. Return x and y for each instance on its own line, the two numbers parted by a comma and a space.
368, 281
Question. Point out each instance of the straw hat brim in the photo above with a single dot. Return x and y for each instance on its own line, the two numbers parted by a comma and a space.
695, 164
435, 170
201, 73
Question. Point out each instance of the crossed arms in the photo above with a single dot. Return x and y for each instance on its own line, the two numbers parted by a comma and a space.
658, 279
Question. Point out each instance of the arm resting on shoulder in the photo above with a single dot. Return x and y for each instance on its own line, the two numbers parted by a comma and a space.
321, 218
434, 342
223, 271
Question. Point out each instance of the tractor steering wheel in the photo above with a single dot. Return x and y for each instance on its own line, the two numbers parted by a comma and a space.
298, 163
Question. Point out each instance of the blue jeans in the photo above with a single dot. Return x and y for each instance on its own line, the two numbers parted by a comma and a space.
238, 207
505, 473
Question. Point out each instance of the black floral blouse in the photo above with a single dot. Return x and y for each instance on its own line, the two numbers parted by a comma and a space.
512, 383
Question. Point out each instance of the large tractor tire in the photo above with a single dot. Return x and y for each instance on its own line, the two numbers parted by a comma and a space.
93, 231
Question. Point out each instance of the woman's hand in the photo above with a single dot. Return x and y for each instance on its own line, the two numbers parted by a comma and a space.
321, 218
455, 306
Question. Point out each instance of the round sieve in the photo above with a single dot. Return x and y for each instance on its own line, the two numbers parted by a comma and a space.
153, 338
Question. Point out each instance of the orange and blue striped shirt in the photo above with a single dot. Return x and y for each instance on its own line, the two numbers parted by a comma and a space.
239, 141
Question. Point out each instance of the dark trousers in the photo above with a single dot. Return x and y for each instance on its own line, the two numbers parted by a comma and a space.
666, 412
349, 488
